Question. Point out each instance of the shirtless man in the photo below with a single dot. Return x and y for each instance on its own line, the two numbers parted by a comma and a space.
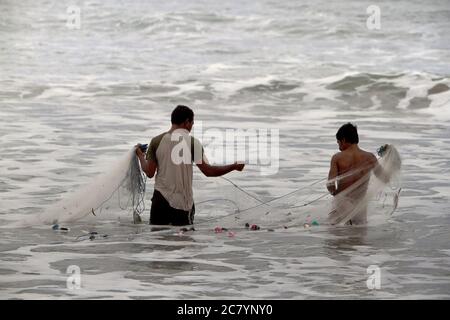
357, 163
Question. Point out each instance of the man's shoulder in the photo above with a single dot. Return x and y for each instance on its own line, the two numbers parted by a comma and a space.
195, 140
159, 136
368, 155
337, 156
196, 145
157, 139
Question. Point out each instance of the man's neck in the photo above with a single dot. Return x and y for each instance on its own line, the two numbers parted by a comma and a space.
176, 127
352, 148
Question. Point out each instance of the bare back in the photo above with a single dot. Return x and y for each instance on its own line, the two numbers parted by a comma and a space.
354, 161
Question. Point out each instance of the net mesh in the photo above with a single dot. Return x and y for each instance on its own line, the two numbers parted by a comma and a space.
119, 193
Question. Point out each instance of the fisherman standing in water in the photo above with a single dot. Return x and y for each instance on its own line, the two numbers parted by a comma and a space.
171, 155
352, 166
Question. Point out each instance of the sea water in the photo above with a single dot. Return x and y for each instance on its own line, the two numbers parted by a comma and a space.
75, 97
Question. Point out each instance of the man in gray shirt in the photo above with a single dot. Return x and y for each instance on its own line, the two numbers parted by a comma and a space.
171, 155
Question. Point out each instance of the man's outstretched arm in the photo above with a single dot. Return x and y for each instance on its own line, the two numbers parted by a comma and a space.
333, 173
217, 171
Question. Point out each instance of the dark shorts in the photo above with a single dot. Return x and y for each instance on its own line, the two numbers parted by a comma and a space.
161, 213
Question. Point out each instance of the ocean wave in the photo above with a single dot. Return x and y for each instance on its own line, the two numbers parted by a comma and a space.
408, 91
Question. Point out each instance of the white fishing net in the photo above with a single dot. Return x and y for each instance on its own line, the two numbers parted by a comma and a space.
120, 190
119, 193
371, 197
370, 193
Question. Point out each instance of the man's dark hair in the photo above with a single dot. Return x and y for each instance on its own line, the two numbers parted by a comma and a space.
349, 132
182, 113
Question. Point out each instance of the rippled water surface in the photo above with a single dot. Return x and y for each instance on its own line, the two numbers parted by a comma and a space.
73, 101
